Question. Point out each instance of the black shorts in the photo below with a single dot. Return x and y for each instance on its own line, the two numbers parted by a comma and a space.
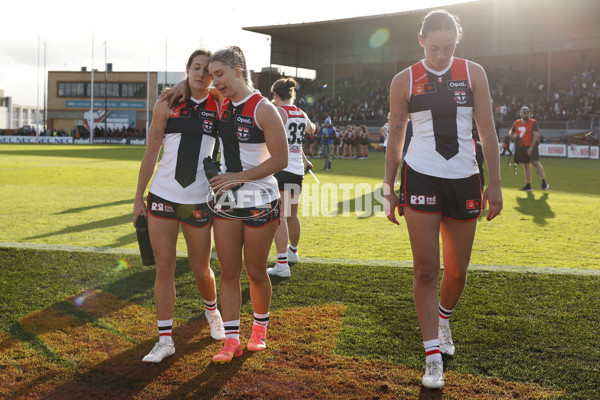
521, 156
198, 215
457, 199
288, 181
254, 217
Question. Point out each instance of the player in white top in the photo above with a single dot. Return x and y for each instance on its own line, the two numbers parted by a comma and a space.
440, 190
179, 195
290, 179
243, 234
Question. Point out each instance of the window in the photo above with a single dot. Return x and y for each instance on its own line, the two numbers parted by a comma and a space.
83, 89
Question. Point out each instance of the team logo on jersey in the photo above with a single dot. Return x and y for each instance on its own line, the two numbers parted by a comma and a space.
424, 88
453, 85
208, 126
460, 97
243, 133
180, 112
473, 204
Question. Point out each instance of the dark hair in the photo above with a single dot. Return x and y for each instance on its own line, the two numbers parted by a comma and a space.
233, 56
285, 88
188, 90
441, 20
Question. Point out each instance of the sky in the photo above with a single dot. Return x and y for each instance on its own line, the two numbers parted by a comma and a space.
149, 35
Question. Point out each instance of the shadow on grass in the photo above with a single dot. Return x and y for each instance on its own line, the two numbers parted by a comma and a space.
539, 208
88, 226
95, 206
364, 206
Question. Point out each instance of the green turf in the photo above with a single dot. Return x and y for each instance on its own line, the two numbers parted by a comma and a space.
82, 195
513, 326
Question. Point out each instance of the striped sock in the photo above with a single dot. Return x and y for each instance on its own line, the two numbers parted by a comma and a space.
445, 316
165, 331
293, 249
432, 350
282, 259
232, 329
261, 320
210, 306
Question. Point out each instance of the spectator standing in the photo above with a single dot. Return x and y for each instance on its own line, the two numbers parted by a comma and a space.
327, 135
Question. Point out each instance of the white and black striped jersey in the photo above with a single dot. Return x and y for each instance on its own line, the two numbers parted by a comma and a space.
441, 111
243, 147
190, 135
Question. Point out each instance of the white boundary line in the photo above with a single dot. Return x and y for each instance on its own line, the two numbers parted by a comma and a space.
317, 260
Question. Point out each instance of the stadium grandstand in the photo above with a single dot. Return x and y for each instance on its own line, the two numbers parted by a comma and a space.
540, 53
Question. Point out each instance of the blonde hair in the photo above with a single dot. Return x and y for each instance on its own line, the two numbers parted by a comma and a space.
233, 56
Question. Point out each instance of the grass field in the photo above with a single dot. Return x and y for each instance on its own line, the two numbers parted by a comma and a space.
343, 326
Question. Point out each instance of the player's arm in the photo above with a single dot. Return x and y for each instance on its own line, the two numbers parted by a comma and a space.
177, 92
310, 127
160, 115
482, 112
399, 94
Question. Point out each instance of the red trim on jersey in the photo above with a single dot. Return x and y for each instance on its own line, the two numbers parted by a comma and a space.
459, 70
419, 78
250, 106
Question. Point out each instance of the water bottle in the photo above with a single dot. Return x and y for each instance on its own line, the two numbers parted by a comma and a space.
143, 237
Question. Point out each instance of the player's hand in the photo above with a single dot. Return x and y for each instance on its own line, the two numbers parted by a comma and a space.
172, 95
307, 166
224, 182
492, 199
139, 208
529, 151
391, 204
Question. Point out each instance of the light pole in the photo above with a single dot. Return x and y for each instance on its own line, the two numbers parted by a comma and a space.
105, 92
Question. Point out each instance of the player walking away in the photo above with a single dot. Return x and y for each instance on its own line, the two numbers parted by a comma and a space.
439, 190
254, 147
179, 194
296, 123
525, 132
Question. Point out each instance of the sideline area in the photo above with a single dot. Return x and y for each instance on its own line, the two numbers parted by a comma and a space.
318, 260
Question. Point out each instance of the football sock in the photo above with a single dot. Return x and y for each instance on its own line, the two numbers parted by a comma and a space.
232, 329
432, 350
261, 319
210, 306
282, 259
293, 249
445, 316
165, 331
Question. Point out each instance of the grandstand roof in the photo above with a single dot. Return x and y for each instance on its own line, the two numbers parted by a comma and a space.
313, 32
493, 29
